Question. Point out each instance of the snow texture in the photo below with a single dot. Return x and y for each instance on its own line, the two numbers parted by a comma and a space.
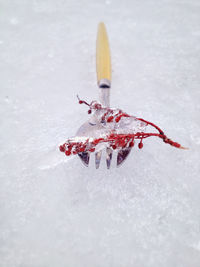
53, 210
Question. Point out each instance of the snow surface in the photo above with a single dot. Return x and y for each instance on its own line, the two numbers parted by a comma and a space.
56, 212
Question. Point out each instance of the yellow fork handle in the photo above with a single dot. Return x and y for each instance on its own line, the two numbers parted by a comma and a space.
103, 61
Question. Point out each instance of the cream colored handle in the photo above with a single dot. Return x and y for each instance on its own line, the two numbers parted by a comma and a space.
103, 61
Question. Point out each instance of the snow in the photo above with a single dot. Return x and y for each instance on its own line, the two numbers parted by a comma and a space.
56, 212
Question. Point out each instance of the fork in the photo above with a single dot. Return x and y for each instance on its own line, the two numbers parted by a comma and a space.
103, 69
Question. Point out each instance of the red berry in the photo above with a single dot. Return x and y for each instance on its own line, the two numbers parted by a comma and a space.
89, 111
140, 145
67, 153
110, 119
117, 119
62, 148
131, 144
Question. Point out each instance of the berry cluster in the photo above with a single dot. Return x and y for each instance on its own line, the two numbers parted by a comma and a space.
113, 140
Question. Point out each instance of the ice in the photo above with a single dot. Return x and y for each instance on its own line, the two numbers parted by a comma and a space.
129, 125
56, 212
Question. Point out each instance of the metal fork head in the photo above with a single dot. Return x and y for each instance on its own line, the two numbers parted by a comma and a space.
94, 128
121, 156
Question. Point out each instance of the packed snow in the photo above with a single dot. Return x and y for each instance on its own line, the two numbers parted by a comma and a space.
53, 210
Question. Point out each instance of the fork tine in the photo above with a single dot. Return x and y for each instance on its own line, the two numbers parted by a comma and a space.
85, 157
98, 158
108, 157
122, 155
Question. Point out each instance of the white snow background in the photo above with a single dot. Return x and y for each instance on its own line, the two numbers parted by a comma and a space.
54, 212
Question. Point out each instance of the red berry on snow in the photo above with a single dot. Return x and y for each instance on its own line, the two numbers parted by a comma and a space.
140, 145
